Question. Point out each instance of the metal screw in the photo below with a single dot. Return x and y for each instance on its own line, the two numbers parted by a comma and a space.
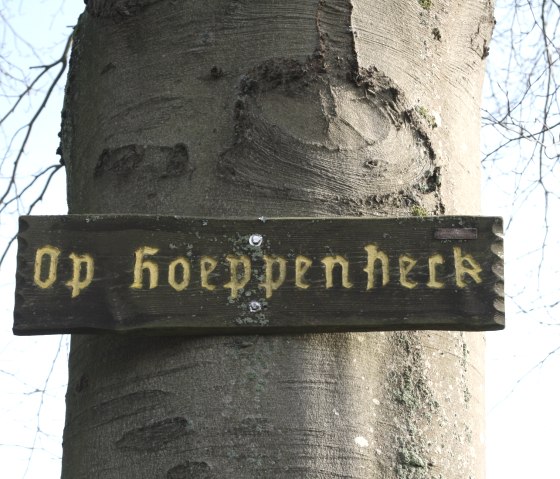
255, 306
255, 239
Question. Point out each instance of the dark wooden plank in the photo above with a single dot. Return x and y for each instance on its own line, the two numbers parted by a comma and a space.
172, 275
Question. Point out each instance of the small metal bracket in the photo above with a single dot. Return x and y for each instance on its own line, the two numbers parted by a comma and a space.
456, 233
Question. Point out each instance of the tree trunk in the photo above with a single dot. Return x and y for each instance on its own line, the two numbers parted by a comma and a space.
238, 108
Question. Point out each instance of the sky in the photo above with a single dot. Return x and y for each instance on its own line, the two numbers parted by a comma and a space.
522, 394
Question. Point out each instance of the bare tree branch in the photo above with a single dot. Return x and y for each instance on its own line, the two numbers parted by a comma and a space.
51, 170
62, 61
523, 117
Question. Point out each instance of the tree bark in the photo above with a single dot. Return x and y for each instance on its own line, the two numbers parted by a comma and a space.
237, 108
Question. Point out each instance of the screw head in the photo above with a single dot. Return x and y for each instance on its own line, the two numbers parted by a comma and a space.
255, 239
255, 306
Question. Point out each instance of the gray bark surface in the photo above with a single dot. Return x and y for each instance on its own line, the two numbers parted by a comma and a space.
237, 108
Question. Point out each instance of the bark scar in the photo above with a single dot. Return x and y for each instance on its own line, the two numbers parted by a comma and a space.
155, 436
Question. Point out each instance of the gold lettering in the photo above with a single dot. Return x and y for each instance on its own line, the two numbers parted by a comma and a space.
302, 265
76, 283
330, 262
141, 264
237, 281
207, 265
171, 276
406, 263
270, 284
376, 255
53, 254
433, 261
473, 269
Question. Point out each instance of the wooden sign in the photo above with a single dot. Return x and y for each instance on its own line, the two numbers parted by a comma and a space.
173, 275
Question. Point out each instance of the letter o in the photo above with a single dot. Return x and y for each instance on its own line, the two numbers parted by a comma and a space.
53, 254
171, 277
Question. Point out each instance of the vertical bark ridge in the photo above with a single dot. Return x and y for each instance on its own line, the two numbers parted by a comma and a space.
336, 38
